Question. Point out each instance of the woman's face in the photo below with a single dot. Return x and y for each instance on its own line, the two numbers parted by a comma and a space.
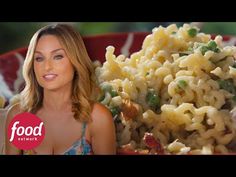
52, 67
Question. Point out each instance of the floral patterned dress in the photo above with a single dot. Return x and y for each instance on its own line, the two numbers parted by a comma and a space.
80, 147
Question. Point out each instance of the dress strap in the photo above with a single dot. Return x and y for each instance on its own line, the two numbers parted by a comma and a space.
83, 129
83, 139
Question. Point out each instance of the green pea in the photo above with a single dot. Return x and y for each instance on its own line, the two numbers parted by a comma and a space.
204, 49
212, 45
192, 32
113, 93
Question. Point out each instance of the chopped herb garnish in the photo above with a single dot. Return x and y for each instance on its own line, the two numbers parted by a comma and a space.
153, 100
183, 54
115, 111
227, 85
182, 84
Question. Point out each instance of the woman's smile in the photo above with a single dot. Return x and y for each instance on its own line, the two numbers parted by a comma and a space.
49, 77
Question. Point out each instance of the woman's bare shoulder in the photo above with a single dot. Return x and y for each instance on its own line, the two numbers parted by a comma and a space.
102, 125
99, 110
101, 116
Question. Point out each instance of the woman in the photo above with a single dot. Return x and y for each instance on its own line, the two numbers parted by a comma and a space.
60, 89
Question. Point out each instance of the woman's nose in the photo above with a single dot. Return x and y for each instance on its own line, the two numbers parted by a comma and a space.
48, 64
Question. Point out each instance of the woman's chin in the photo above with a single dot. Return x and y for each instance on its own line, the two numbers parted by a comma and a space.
55, 86
51, 88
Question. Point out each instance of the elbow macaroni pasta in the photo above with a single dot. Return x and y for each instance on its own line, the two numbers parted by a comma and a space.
194, 117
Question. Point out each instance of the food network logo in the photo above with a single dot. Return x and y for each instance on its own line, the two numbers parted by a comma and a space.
26, 131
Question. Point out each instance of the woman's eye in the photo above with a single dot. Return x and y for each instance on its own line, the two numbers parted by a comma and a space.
38, 59
58, 57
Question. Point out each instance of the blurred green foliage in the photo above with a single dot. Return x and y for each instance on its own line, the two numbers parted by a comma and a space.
18, 34
223, 28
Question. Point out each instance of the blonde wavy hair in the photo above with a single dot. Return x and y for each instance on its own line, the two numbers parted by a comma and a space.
84, 86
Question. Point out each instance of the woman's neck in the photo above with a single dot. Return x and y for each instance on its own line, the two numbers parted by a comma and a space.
59, 100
